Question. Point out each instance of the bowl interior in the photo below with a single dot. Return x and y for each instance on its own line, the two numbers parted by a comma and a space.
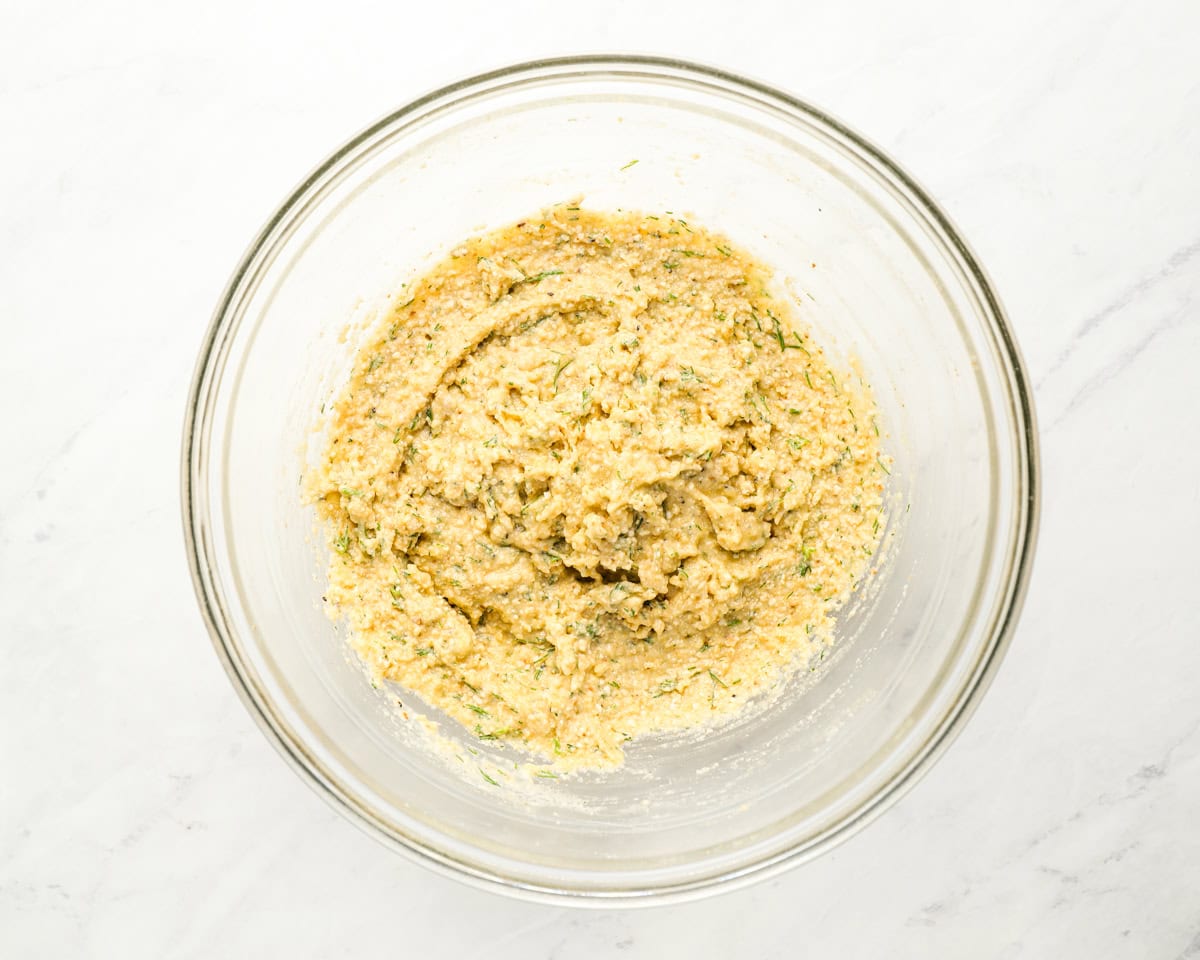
881, 282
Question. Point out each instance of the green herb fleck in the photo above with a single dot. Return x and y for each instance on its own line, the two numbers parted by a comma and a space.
778, 331
487, 778
559, 367
629, 164
426, 415
539, 277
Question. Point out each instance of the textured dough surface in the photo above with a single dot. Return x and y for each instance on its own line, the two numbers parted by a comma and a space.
592, 480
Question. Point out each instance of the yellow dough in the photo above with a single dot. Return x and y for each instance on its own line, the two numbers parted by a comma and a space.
592, 480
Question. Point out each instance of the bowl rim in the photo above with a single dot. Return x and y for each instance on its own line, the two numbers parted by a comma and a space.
209, 597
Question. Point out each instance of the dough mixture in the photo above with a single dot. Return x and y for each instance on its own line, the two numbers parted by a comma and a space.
593, 480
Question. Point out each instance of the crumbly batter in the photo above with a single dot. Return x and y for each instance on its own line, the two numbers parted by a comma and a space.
593, 480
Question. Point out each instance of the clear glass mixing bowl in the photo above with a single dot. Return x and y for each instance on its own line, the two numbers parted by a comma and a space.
879, 273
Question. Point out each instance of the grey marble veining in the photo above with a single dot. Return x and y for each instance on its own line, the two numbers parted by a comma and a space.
142, 814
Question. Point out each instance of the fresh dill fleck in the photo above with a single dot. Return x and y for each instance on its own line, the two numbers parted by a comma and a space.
426, 415
883, 466
479, 710
539, 277
559, 367
487, 778
688, 375
669, 264
424, 651
689, 253
724, 250
806, 378
342, 543
797, 443
629, 164
718, 679
491, 442
550, 774
375, 362
794, 412
351, 492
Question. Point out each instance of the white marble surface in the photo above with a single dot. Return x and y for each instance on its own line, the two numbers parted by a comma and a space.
142, 814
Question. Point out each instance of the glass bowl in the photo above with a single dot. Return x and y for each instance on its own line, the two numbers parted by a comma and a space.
878, 272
